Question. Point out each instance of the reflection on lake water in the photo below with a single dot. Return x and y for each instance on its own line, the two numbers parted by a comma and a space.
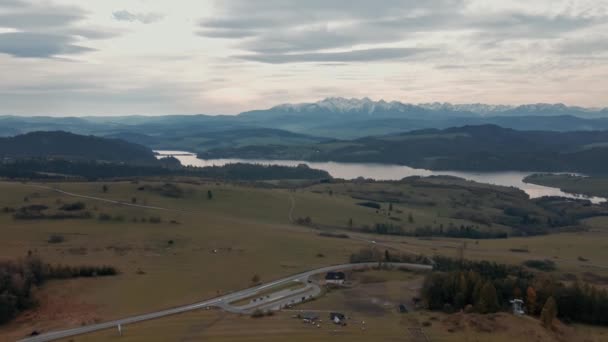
390, 172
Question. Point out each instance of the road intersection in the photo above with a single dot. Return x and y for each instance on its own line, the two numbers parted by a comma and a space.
224, 302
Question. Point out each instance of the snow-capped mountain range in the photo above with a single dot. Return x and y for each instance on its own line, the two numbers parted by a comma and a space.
368, 106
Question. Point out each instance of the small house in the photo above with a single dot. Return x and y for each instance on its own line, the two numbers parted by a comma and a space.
518, 309
335, 278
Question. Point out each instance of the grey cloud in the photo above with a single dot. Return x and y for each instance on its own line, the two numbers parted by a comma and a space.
24, 16
273, 28
144, 18
364, 55
452, 67
226, 33
280, 21
268, 13
316, 38
38, 45
44, 29
12, 3
584, 46
90, 33
524, 26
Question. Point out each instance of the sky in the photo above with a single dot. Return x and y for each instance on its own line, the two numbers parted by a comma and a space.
155, 57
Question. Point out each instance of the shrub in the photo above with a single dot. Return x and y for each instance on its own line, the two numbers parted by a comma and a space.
543, 265
55, 238
73, 206
334, 235
373, 205
104, 217
154, 219
257, 313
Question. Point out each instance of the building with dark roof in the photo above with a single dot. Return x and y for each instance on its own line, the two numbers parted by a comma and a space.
335, 277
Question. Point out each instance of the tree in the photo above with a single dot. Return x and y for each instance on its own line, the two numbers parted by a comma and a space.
517, 292
8, 306
477, 290
105, 188
531, 300
209, 194
548, 313
255, 279
488, 300
463, 288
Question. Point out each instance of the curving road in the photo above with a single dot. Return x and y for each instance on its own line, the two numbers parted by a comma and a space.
277, 300
222, 302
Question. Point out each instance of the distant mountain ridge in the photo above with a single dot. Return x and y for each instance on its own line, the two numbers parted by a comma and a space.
340, 105
330, 118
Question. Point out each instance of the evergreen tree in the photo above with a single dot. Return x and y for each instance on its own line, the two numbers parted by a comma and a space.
531, 300
463, 290
549, 313
477, 291
488, 300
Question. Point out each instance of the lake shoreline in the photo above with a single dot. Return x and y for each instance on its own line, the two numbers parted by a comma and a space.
392, 172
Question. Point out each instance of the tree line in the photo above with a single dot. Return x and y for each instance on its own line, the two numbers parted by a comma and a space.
465, 232
91, 170
488, 287
19, 277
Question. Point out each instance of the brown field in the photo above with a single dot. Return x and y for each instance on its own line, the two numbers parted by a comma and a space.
219, 244
371, 308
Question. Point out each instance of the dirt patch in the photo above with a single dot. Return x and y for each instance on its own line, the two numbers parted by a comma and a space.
481, 323
194, 332
375, 299
523, 328
56, 311
370, 279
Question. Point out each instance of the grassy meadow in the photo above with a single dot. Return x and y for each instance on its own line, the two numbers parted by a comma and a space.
371, 308
203, 247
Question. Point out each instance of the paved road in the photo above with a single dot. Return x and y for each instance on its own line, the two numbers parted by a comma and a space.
219, 302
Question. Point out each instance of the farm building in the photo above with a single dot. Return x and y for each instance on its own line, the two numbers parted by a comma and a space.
335, 278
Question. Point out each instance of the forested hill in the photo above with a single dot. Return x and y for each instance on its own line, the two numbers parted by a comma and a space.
64, 145
471, 148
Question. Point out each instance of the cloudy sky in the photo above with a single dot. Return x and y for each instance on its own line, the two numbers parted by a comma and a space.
114, 57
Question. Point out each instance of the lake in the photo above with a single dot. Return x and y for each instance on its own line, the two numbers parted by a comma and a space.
390, 172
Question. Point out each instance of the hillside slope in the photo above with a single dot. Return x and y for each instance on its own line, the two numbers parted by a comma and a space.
473, 148
70, 146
